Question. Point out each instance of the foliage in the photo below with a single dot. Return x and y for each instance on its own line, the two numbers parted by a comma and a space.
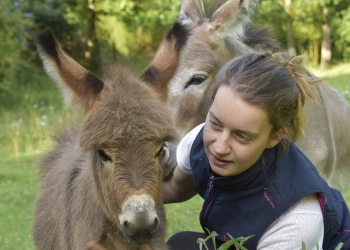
236, 242
308, 19
16, 56
147, 20
338, 247
133, 14
127, 30
342, 34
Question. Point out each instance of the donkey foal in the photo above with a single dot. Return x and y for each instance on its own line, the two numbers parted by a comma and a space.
104, 175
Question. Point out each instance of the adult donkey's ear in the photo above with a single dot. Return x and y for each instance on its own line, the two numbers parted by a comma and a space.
193, 12
231, 18
187, 12
78, 85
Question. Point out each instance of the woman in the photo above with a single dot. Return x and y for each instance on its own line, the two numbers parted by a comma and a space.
243, 162
245, 165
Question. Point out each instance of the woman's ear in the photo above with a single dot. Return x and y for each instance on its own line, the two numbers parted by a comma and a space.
276, 138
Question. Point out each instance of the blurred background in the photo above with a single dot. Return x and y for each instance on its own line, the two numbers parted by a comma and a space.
129, 32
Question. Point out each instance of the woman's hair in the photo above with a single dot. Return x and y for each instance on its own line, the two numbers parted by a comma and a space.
278, 83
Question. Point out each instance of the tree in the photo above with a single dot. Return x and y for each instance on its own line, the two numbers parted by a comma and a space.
287, 6
15, 54
326, 47
342, 34
316, 28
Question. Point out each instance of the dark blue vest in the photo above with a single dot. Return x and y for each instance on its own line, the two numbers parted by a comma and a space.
248, 203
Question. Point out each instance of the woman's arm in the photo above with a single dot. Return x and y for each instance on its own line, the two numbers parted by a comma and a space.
303, 222
179, 188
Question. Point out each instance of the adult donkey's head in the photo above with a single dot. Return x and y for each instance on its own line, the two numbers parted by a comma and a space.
219, 31
211, 34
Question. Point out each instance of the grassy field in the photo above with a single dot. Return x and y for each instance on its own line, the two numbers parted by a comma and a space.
25, 130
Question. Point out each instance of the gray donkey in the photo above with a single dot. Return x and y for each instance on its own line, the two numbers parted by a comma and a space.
104, 176
207, 35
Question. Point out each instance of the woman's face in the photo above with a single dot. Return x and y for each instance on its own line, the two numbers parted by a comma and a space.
235, 133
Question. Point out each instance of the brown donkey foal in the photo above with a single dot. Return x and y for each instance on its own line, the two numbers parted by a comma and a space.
104, 176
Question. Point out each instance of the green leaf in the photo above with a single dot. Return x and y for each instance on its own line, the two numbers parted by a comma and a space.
338, 247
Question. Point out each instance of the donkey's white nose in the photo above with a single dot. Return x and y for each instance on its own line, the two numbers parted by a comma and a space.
139, 219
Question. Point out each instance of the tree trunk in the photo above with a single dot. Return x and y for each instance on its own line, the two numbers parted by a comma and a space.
326, 47
315, 61
289, 23
93, 53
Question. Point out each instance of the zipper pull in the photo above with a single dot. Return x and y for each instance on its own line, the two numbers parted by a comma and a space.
211, 182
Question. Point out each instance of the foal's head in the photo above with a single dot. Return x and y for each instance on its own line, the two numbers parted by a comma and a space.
122, 136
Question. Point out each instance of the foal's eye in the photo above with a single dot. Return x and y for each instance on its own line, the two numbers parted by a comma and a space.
196, 80
161, 151
104, 156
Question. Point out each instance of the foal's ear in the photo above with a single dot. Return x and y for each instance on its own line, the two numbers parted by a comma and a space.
78, 85
230, 18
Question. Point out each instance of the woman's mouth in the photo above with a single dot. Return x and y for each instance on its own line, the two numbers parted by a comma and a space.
219, 162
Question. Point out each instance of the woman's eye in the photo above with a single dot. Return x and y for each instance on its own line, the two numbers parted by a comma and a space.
242, 138
104, 157
214, 124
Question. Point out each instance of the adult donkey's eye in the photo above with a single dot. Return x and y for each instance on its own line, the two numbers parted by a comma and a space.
103, 156
196, 80
161, 151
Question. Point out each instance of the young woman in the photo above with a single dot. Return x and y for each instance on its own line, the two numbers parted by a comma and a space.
243, 162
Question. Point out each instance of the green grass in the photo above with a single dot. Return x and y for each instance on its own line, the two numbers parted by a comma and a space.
337, 76
184, 216
19, 185
26, 126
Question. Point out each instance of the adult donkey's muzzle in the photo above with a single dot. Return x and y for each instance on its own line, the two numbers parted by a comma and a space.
139, 219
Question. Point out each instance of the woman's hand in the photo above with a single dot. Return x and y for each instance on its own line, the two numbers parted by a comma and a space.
93, 245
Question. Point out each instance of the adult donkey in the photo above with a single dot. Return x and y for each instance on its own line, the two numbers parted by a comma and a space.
104, 176
214, 33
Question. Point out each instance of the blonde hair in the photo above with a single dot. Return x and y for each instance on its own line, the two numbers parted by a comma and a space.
276, 82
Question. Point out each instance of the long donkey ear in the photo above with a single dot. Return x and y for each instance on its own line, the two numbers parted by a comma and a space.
194, 11
186, 13
78, 85
231, 17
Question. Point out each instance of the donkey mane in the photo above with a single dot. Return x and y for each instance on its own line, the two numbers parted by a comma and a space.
261, 39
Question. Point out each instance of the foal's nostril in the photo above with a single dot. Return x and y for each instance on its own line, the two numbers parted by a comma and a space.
142, 227
128, 230
125, 224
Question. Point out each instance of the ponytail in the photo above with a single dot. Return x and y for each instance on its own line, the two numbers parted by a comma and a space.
304, 81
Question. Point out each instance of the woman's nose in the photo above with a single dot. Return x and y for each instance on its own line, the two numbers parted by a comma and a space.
221, 144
